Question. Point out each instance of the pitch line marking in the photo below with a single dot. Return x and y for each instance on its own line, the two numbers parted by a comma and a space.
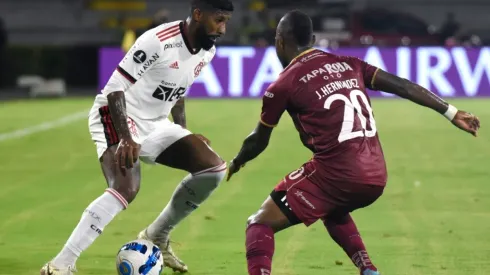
48, 125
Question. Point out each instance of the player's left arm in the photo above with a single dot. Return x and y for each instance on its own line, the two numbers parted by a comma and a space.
274, 104
406, 89
178, 113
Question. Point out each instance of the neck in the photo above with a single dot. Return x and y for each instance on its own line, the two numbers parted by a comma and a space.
297, 52
190, 28
302, 50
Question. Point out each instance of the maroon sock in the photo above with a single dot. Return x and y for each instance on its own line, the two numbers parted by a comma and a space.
260, 248
344, 232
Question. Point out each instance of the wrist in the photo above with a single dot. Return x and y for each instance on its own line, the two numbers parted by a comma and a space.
450, 112
125, 135
237, 162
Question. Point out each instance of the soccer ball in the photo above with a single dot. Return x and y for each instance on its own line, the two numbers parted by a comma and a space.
139, 257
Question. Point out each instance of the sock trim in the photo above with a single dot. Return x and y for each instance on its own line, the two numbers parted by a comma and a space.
118, 196
216, 169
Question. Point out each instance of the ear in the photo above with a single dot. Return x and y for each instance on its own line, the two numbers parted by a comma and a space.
196, 15
313, 40
280, 42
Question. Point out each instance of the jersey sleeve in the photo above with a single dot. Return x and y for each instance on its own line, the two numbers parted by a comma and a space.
274, 103
368, 72
142, 57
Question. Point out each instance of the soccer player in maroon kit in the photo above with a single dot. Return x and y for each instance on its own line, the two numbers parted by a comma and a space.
326, 97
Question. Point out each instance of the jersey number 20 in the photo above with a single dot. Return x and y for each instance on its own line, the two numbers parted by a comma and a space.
352, 106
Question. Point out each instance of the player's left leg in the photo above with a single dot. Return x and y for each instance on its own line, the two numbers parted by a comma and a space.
273, 216
342, 227
206, 170
290, 203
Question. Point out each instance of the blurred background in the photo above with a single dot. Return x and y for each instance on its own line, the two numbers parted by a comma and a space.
56, 55
56, 44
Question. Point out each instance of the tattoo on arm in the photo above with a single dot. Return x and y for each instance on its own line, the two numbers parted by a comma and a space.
117, 108
178, 113
406, 89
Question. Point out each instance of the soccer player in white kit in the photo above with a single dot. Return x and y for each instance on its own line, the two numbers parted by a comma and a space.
129, 122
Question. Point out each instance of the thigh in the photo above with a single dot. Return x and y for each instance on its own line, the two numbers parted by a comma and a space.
299, 198
126, 182
271, 214
358, 195
190, 154
307, 196
103, 131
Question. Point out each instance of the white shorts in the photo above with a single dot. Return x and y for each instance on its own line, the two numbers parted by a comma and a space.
154, 135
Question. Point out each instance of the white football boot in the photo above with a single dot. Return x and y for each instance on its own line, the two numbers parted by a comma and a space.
50, 269
169, 258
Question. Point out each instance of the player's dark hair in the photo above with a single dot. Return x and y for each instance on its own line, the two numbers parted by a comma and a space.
223, 5
300, 27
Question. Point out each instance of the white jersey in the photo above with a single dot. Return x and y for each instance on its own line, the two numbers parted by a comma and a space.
156, 72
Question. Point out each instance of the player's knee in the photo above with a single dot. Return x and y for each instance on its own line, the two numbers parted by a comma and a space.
205, 182
212, 161
128, 192
250, 220
217, 174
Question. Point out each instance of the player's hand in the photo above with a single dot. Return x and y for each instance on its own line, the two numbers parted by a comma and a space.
467, 122
203, 138
127, 153
233, 168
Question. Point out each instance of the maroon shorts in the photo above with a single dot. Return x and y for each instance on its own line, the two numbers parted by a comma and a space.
304, 198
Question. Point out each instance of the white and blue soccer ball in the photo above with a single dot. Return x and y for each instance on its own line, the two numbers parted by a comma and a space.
139, 257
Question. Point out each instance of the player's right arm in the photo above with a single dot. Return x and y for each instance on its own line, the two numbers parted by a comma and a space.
274, 104
133, 66
404, 88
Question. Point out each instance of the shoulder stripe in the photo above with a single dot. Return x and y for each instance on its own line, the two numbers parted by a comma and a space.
374, 78
129, 77
167, 30
169, 35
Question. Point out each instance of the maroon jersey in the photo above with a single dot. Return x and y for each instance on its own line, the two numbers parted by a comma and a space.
326, 97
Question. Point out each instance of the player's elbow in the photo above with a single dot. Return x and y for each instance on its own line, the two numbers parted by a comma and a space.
262, 145
409, 88
114, 95
259, 146
403, 87
116, 83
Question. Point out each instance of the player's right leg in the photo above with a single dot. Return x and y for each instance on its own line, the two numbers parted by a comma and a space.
343, 231
123, 187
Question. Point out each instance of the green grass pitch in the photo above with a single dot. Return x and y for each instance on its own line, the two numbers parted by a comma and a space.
434, 217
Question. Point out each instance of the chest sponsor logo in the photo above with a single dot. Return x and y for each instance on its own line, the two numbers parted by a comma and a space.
334, 68
168, 94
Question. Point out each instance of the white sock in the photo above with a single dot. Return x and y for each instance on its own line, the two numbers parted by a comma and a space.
97, 215
189, 194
